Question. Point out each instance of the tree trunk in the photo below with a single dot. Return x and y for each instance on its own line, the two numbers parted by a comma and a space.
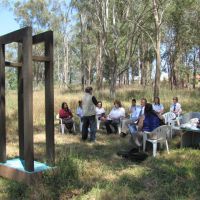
113, 64
127, 76
158, 63
194, 71
66, 64
58, 65
82, 56
99, 63
158, 40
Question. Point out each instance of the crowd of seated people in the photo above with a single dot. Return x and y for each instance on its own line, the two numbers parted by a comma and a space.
143, 117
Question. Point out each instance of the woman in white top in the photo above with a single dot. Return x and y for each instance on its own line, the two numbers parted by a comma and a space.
114, 117
176, 107
100, 112
79, 110
157, 106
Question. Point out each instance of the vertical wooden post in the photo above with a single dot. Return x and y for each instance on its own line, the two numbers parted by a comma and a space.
2, 105
49, 100
28, 100
20, 105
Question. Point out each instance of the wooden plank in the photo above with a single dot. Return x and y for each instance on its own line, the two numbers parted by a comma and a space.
15, 36
19, 176
20, 106
11, 64
35, 58
28, 100
41, 58
42, 37
2, 105
49, 101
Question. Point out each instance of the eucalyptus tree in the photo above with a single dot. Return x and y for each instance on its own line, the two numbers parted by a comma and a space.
181, 39
117, 36
43, 15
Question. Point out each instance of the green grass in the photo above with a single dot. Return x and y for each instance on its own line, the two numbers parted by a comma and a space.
94, 171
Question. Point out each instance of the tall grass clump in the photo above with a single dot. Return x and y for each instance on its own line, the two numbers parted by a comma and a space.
64, 177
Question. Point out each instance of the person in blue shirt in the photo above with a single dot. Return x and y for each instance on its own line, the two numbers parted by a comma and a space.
176, 107
136, 112
148, 122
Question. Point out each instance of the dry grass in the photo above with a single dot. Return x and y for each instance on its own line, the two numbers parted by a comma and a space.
94, 171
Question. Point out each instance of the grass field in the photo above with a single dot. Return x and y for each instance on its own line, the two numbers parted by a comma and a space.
94, 171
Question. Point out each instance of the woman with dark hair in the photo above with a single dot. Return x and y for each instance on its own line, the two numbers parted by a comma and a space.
66, 115
79, 110
157, 106
148, 122
100, 111
114, 117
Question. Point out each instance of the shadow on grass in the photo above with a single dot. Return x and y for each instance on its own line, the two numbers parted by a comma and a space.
165, 178
94, 171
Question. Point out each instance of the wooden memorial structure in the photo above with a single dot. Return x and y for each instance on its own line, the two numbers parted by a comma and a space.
25, 41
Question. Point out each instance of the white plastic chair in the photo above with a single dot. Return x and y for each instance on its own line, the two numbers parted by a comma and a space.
80, 124
98, 122
119, 127
160, 134
171, 119
62, 126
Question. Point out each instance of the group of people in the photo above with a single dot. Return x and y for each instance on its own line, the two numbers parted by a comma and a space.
143, 117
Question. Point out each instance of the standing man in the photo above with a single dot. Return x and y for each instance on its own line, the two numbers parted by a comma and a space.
89, 103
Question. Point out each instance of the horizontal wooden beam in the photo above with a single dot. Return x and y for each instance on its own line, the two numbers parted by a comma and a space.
11, 64
41, 58
16, 36
34, 58
42, 37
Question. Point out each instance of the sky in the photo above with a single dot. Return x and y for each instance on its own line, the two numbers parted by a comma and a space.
7, 21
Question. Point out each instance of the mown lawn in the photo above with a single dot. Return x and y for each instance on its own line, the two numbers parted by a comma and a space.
94, 171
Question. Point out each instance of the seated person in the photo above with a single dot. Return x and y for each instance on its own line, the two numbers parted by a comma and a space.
79, 110
131, 124
176, 107
157, 106
134, 115
148, 122
100, 112
114, 117
66, 115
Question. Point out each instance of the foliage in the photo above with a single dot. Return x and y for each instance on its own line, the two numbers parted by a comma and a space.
11, 79
102, 41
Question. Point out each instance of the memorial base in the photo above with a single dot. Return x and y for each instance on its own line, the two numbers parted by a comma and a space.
13, 169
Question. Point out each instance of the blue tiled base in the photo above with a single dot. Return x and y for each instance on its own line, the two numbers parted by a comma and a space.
13, 169
16, 163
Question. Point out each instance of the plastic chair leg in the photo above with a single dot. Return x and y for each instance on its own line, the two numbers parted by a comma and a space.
119, 129
167, 147
154, 148
62, 128
81, 124
144, 142
98, 124
74, 127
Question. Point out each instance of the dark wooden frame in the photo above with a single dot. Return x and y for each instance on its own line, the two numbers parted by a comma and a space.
25, 93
